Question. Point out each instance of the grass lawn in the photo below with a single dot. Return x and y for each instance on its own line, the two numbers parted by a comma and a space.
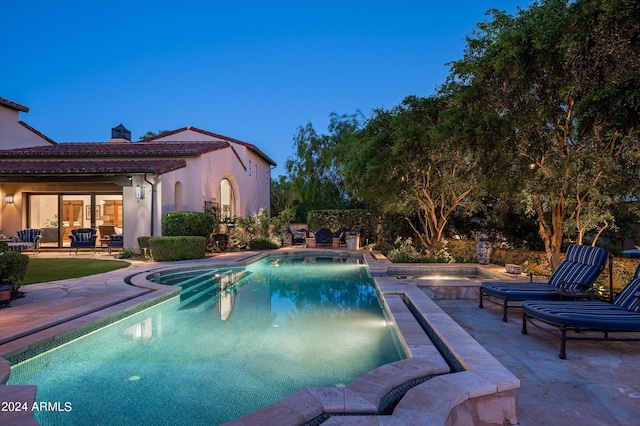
44, 270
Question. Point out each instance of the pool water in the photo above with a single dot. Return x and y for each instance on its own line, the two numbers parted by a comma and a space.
219, 351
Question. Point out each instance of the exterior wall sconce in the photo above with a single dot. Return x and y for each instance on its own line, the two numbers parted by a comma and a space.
139, 192
8, 198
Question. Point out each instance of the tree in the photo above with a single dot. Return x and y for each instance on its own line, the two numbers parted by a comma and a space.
151, 134
551, 72
403, 162
314, 172
282, 195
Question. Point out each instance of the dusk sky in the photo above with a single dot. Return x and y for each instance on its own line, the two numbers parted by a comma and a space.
250, 70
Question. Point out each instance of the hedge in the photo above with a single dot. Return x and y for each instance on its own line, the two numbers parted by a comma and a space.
175, 224
262, 244
143, 242
177, 248
356, 220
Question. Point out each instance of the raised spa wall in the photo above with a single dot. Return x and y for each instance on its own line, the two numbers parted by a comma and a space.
465, 386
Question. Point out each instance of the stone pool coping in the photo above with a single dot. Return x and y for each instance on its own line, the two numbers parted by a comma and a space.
484, 392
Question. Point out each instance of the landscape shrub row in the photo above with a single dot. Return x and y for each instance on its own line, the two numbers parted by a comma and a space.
177, 224
164, 249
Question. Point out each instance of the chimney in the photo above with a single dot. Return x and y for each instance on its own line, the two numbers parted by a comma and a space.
120, 134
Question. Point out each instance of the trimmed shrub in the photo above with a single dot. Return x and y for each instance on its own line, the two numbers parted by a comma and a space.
177, 248
180, 224
143, 242
262, 244
13, 267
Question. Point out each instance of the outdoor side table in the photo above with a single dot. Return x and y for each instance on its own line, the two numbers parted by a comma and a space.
574, 294
310, 242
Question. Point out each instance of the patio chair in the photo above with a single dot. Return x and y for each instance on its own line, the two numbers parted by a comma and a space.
83, 238
27, 239
299, 236
324, 237
580, 318
576, 274
115, 241
341, 236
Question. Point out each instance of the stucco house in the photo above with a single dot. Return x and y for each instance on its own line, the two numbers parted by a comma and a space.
129, 185
15, 133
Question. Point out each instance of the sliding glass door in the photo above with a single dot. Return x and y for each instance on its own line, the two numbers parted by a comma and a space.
58, 214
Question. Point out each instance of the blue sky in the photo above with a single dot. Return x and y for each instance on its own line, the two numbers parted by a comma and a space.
251, 70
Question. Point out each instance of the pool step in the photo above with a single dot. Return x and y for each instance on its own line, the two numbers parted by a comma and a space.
195, 287
202, 280
204, 294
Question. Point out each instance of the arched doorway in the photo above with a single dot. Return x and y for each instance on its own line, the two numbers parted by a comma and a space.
227, 201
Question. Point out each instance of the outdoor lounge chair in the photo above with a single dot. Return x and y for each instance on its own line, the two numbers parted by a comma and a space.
580, 318
576, 273
83, 238
27, 239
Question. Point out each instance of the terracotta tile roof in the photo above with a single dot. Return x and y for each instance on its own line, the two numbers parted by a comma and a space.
42, 135
117, 149
218, 136
14, 105
84, 167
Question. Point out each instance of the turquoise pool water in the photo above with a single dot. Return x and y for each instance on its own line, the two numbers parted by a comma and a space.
234, 341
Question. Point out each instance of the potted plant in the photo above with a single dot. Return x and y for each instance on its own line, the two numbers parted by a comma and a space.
5, 293
13, 267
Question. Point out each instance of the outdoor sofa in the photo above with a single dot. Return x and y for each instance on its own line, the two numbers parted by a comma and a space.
576, 273
581, 319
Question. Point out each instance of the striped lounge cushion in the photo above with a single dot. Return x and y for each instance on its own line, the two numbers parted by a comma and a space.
581, 265
629, 297
580, 268
590, 314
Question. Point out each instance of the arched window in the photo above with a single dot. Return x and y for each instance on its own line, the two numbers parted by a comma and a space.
177, 196
227, 202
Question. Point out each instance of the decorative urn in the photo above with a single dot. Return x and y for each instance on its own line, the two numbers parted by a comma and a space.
483, 250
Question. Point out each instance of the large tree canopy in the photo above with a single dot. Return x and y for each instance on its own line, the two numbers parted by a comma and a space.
314, 171
403, 161
552, 72
540, 117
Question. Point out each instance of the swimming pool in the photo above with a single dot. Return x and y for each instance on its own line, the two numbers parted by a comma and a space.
234, 341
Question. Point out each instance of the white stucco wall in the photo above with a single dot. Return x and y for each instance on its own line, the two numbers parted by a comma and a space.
136, 215
201, 182
15, 135
201, 178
